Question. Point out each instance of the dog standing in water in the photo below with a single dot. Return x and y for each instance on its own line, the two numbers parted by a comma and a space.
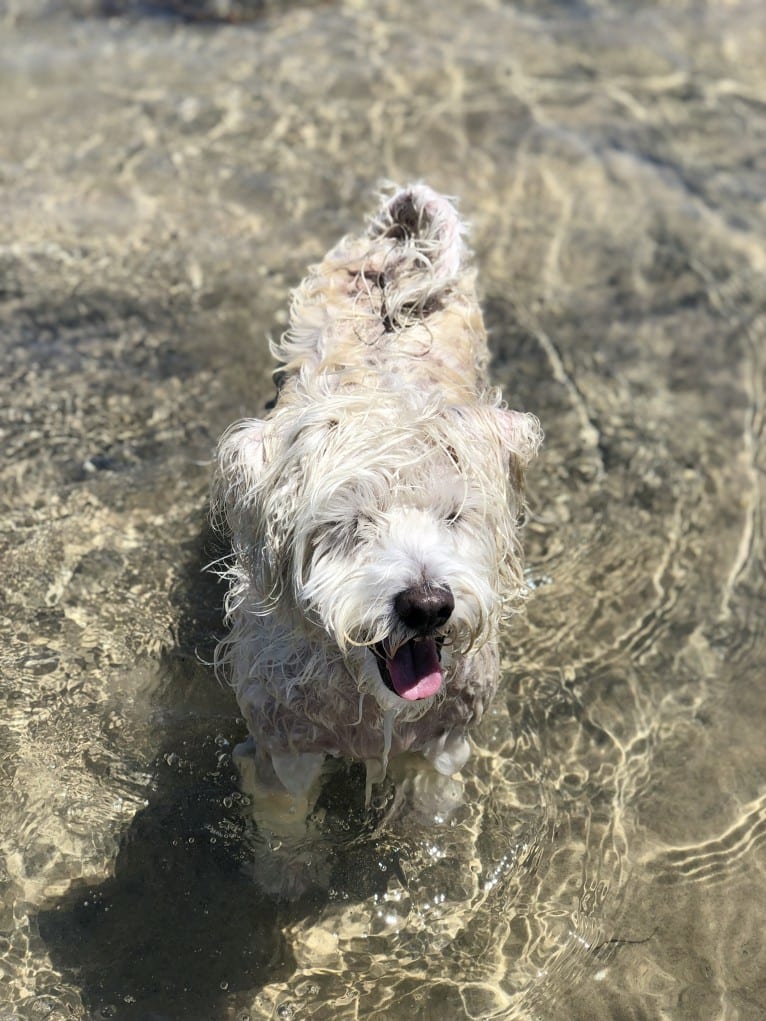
373, 515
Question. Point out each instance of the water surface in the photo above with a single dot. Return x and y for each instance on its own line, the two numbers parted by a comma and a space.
166, 177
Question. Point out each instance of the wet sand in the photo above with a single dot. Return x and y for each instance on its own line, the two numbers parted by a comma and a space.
165, 181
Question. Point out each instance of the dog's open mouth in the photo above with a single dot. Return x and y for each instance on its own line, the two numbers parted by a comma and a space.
414, 671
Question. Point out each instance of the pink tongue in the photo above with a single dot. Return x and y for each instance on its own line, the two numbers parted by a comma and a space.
414, 669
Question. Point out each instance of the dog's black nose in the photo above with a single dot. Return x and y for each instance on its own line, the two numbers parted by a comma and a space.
424, 607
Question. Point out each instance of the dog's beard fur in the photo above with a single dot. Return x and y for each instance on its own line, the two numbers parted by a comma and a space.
386, 466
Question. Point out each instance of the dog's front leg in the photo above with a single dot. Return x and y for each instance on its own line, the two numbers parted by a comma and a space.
283, 788
448, 753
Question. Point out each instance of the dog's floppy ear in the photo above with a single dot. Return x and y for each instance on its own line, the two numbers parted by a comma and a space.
240, 461
522, 436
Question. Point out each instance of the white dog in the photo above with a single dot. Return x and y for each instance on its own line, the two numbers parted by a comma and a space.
374, 513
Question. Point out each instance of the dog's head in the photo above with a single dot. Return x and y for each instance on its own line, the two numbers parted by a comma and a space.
382, 522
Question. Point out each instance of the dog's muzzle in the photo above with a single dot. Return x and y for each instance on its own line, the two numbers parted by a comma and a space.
413, 670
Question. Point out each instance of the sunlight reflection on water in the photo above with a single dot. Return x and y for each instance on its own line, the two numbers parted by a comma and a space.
170, 182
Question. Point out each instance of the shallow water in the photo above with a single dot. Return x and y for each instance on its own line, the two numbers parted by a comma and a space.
164, 183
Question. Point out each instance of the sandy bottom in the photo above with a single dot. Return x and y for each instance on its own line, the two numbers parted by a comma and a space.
166, 180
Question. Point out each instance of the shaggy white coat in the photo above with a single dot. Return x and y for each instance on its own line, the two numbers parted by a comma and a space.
387, 463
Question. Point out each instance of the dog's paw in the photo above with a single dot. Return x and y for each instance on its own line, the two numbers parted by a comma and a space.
287, 869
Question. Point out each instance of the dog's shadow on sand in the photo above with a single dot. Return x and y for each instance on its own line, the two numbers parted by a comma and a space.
181, 931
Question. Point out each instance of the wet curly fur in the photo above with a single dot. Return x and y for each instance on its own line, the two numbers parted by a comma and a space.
374, 513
